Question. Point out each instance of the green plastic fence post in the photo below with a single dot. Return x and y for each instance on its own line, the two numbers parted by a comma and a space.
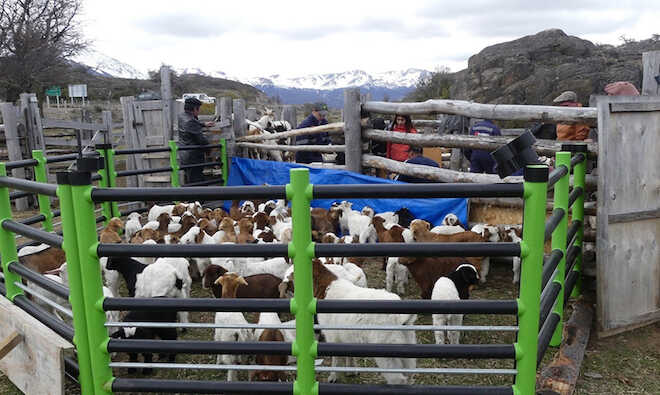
174, 163
41, 175
559, 239
92, 285
579, 174
531, 252
112, 176
70, 247
225, 161
104, 182
303, 304
7, 242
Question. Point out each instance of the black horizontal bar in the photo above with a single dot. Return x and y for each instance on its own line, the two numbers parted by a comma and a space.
127, 173
33, 220
192, 193
572, 253
18, 195
545, 335
577, 159
198, 347
572, 231
194, 165
56, 213
194, 147
137, 210
200, 386
570, 284
71, 367
19, 164
96, 177
404, 389
552, 222
556, 175
61, 158
548, 299
417, 249
203, 183
39, 279
33, 233
431, 190
575, 194
141, 151
54, 323
550, 265
197, 304
194, 250
474, 306
100, 219
471, 351
28, 186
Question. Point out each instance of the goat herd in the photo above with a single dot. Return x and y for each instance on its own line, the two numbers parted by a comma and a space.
334, 278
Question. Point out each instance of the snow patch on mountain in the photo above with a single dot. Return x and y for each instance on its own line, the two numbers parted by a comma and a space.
388, 79
109, 66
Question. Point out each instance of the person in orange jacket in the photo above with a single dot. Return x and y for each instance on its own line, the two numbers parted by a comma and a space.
403, 124
570, 131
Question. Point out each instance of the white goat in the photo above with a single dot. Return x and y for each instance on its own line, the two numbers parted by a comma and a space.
396, 273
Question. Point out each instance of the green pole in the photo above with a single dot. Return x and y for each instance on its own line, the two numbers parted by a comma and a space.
104, 182
559, 239
112, 177
225, 161
41, 175
579, 174
8, 242
92, 285
303, 304
70, 247
531, 252
174, 163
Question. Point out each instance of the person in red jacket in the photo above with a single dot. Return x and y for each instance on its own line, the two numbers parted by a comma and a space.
402, 123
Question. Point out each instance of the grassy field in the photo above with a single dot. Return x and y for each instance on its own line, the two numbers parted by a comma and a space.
624, 364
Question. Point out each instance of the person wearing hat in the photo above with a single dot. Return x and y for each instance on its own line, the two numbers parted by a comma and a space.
316, 118
191, 133
570, 131
416, 157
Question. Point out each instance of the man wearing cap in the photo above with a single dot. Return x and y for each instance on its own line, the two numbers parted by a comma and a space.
191, 133
570, 131
316, 118
415, 157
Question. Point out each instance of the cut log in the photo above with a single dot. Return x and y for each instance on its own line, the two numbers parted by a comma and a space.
294, 148
561, 375
336, 127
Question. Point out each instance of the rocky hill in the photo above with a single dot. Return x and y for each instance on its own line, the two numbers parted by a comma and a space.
534, 69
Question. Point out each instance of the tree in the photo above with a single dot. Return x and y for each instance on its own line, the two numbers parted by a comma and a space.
435, 85
36, 39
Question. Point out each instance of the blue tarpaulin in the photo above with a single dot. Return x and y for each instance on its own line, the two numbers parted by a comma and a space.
259, 172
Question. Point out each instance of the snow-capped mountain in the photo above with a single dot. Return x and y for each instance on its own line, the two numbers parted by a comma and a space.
108, 66
353, 78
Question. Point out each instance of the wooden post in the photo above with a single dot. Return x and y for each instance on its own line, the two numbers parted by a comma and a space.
651, 65
169, 116
107, 129
353, 129
289, 115
251, 114
13, 146
455, 161
239, 124
30, 112
133, 162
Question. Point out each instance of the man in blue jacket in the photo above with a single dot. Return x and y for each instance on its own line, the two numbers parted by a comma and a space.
480, 160
316, 118
416, 158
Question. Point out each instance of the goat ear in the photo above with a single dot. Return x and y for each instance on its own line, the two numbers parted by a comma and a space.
241, 280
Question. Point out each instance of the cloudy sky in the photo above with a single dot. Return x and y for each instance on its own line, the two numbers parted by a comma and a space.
292, 38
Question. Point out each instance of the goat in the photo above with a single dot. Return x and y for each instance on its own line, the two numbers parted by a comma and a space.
269, 335
455, 286
110, 234
259, 285
427, 270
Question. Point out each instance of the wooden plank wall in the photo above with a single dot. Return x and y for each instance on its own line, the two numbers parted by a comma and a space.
628, 227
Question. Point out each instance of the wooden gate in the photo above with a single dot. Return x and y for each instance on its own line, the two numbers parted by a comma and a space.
628, 258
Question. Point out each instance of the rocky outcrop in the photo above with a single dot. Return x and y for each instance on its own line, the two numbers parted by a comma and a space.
534, 69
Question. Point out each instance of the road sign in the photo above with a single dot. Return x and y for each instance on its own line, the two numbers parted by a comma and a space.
54, 91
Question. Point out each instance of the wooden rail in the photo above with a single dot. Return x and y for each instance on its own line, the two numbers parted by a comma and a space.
336, 127
294, 148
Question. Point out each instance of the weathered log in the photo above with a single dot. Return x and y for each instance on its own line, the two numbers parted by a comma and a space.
313, 148
561, 375
490, 143
587, 115
336, 127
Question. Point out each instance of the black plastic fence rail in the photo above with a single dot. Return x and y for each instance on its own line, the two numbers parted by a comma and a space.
96, 177
552, 222
242, 387
545, 335
127, 173
476, 306
197, 304
19, 164
198, 347
550, 265
61, 158
556, 175
28, 186
203, 183
18, 195
417, 249
575, 194
33, 220
548, 299
141, 151
56, 213
39, 279
193, 147
192, 193
572, 231
194, 165
135, 210
572, 253
432, 190
571, 279
577, 159
71, 368
194, 251
44, 317
33, 233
